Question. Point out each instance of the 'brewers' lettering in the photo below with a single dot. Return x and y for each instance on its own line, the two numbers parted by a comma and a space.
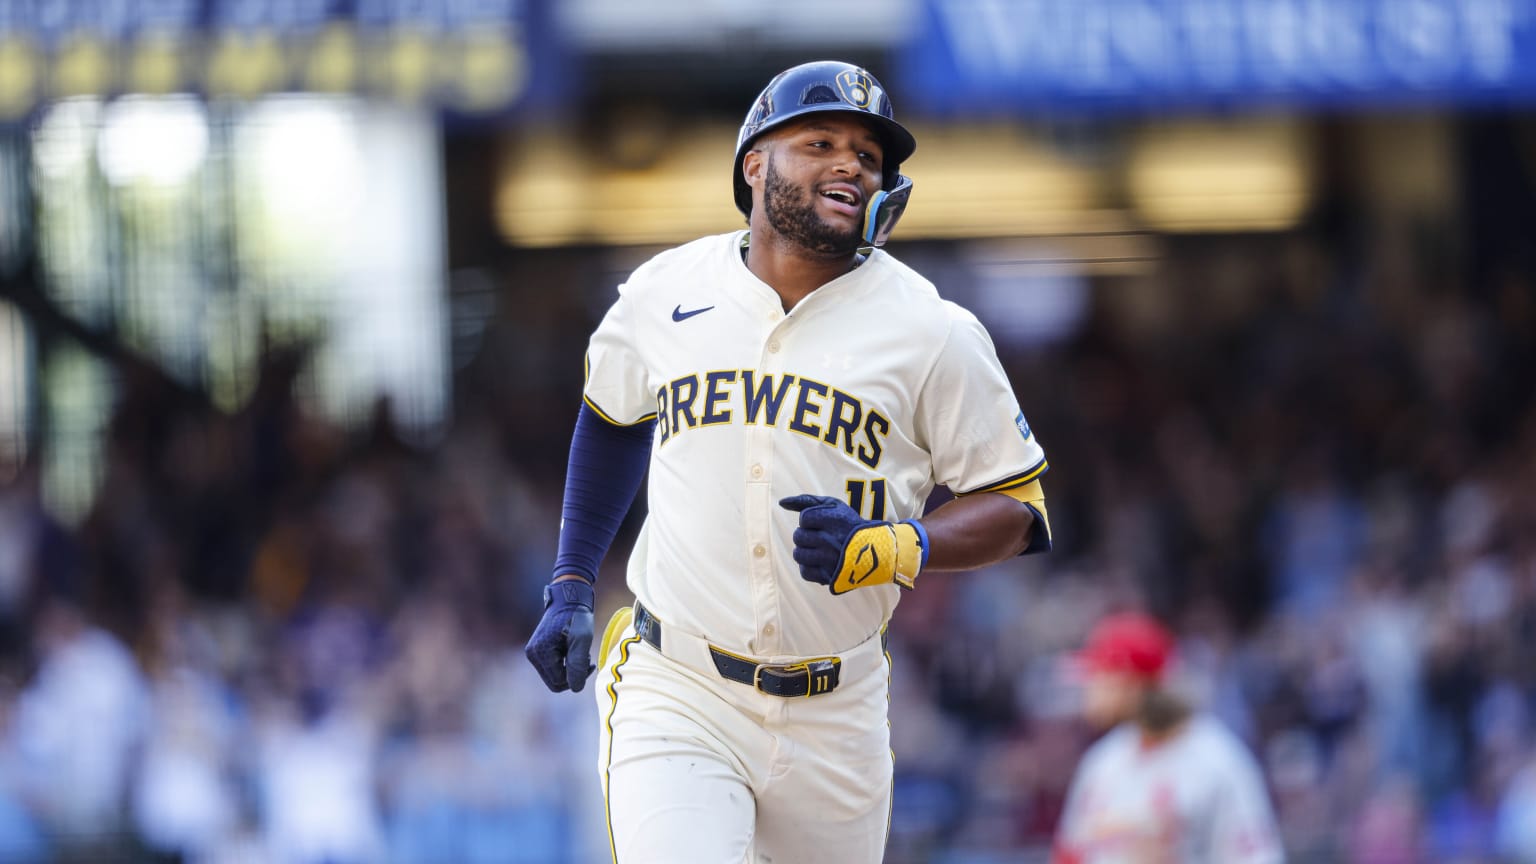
766, 399
871, 456
756, 397
713, 396
843, 421
805, 408
662, 426
682, 406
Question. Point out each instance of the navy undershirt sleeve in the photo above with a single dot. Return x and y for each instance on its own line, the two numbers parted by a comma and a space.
606, 466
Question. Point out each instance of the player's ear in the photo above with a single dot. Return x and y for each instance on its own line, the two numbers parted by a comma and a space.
754, 166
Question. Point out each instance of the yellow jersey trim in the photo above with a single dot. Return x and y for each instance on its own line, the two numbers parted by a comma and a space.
1012, 482
609, 420
586, 374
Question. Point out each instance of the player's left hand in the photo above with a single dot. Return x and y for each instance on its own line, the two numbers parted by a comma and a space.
842, 550
561, 646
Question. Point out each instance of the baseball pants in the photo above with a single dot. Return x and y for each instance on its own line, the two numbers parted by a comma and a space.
702, 769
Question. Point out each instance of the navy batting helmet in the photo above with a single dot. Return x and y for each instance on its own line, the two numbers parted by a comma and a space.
831, 85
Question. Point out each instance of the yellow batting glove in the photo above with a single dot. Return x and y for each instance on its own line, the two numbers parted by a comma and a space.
879, 554
836, 547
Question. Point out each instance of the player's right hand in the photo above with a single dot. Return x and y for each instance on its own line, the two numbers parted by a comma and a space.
561, 646
842, 550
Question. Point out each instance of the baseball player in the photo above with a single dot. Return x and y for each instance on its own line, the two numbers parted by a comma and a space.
797, 393
1166, 784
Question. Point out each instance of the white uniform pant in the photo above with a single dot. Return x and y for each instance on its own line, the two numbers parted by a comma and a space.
701, 769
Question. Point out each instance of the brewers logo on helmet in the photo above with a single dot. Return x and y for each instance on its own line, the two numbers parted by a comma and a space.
856, 86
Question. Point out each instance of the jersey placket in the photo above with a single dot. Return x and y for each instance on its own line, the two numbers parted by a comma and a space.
767, 628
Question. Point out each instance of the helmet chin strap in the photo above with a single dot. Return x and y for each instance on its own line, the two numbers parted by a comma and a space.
884, 209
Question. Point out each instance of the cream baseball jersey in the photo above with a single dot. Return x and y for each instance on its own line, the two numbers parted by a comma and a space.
872, 389
1195, 798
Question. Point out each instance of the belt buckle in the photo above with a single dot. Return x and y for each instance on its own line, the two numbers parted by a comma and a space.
820, 675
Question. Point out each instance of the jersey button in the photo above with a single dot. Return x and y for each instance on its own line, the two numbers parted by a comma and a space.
757, 472
759, 551
773, 347
767, 629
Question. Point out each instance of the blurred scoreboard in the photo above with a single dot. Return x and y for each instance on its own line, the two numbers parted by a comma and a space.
469, 56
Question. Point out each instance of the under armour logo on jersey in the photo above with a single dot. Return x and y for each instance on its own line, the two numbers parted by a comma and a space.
679, 315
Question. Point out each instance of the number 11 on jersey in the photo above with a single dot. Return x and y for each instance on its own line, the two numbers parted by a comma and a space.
876, 498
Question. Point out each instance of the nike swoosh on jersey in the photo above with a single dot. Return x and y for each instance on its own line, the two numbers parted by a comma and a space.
679, 315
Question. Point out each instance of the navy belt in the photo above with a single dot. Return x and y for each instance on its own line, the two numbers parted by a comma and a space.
807, 678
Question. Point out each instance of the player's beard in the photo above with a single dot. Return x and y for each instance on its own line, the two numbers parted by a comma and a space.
792, 213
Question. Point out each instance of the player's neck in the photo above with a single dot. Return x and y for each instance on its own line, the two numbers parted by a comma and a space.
792, 271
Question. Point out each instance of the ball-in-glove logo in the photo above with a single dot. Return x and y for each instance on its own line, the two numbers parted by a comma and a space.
856, 87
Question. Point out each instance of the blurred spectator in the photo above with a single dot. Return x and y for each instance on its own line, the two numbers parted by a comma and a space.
1386, 830
1515, 837
315, 771
185, 798
21, 835
78, 726
38, 558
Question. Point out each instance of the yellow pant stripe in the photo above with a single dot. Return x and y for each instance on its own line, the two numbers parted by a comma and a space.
890, 811
622, 618
613, 695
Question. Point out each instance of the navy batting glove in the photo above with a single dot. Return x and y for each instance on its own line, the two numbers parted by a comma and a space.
561, 646
842, 550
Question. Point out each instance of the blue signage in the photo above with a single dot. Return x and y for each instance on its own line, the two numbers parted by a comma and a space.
1003, 55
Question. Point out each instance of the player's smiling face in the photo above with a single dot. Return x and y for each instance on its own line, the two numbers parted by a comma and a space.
817, 179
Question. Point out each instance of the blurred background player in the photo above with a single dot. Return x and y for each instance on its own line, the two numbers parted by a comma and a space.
1167, 783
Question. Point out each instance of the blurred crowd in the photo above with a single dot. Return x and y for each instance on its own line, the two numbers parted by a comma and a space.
273, 639
1314, 459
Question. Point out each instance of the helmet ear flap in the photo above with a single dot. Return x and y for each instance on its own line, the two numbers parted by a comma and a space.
884, 210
